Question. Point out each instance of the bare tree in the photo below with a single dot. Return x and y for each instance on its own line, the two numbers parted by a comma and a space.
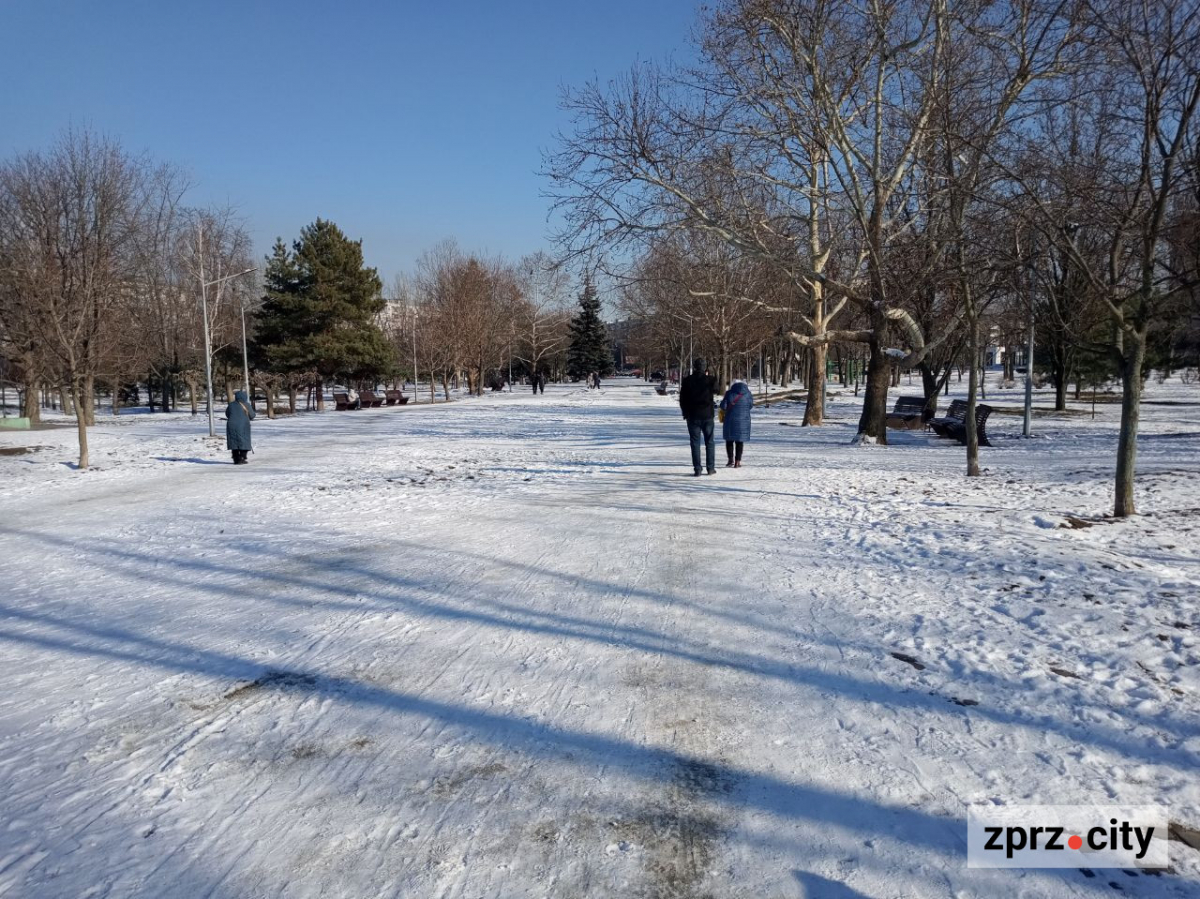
1141, 93
806, 119
541, 314
68, 222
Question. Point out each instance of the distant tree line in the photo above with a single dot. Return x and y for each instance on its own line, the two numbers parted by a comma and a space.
106, 273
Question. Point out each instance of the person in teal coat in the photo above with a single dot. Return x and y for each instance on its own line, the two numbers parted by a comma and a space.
735, 427
238, 416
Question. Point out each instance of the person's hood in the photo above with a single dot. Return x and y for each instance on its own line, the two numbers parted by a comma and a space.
698, 366
737, 381
241, 397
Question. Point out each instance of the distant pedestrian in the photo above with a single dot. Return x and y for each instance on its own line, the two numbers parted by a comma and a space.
238, 416
696, 395
735, 423
541, 382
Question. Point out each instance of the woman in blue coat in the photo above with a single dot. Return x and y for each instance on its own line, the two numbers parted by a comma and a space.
237, 427
735, 426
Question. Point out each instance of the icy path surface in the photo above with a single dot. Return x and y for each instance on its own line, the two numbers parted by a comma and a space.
510, 647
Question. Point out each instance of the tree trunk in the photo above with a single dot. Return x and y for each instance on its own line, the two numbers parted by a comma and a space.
1131, 401
319, 387
87, 402
972, 389
872, 424
930, 388
29, 403
81, 425
292, 393
64, 396
814, 408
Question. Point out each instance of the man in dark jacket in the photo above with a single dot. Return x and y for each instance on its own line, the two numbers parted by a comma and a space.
696, 402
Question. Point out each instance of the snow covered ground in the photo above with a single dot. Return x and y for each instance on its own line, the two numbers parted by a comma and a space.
510, 647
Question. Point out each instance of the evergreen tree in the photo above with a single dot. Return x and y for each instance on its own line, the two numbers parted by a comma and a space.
318, 314
590, 349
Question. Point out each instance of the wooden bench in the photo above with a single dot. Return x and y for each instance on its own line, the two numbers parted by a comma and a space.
341, 402
369, 400
954, 425
395, 398
909, 414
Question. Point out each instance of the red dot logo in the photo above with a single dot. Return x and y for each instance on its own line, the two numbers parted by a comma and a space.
1075, 842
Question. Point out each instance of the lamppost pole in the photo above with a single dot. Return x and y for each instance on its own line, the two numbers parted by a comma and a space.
245, 352
207, 341
416, 399
204, 285
1029, 375
245, 355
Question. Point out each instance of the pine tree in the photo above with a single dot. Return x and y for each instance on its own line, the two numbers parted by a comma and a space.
318, 314
590, 349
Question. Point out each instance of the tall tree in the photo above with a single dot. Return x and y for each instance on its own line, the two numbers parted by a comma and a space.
590, 349
68, 219
320, 307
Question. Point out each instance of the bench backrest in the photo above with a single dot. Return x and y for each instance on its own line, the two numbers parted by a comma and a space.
958, 410
909, 405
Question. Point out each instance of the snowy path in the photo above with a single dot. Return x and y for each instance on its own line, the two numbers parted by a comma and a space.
509, 647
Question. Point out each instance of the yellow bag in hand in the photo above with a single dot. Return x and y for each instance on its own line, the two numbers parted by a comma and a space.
721, 416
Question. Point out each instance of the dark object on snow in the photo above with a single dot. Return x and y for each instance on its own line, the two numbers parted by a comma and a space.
343, 403
395, 398
696, 393
700, 430
954, 425
907, 659
369, 400
737, 403
909, 414
696, 403
238, 416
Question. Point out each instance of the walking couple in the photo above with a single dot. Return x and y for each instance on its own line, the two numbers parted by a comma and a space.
696, 395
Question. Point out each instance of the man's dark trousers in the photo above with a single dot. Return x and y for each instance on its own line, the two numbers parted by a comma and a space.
701, 430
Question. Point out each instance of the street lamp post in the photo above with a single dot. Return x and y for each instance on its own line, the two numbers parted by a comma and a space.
1029, 376
204, 285
416, 399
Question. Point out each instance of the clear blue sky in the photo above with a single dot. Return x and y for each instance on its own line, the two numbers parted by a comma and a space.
404, 122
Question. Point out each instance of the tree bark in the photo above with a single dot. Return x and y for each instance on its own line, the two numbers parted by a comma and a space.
80, 425
1131, 399
31, 409
86, 403
814, 408
320, 394
872, 424
972, 388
